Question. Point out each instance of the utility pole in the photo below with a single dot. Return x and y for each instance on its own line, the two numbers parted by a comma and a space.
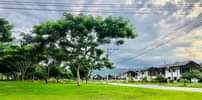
109, 52
163, 59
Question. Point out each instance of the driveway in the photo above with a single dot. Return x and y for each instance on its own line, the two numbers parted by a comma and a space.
187, 89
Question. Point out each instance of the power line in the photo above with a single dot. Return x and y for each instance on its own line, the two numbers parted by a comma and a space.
92, 5
111, 4
86, 11
84, 5
161, 38
153, 44
189, 52
165, 36
58, 3
162, 44
89, 6
159, 45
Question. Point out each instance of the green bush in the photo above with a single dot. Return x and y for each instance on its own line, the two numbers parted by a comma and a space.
184, 81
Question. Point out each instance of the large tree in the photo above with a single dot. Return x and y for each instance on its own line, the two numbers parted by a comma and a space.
76, 39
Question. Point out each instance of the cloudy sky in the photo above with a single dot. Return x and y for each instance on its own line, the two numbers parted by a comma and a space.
168, 30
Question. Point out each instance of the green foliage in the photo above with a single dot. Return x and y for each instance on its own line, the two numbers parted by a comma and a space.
77, 40
144, 79
185, 81
160, 78
19, 60
5, 30
200, 77
5, 36
191, 74
58, 72
73, 41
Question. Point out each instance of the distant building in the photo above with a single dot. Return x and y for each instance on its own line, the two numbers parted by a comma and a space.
150, 73
97, 77
171, 72
174, 71
128, 74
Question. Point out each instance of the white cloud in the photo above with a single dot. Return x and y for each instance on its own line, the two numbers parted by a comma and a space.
149, 26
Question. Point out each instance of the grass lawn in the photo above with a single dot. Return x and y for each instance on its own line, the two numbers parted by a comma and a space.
53, 91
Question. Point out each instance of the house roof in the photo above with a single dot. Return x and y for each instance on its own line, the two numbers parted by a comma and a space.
130, 71
177, 64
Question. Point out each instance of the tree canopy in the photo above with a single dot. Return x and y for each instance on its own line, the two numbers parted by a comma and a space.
5, 30
77, 39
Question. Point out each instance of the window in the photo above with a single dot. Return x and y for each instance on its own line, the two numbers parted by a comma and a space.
169, 78
169, 70
173, 70
175, 78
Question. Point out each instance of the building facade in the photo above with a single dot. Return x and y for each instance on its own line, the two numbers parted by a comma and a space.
171, 72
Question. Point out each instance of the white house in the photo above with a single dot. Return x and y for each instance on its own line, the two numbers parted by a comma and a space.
171, 72
128, 74
174, 71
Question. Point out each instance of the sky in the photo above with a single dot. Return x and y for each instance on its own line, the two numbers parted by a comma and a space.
168, 30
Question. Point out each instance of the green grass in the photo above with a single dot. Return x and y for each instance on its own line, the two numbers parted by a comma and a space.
40, 91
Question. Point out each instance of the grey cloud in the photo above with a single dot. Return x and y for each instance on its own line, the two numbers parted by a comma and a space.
148, 26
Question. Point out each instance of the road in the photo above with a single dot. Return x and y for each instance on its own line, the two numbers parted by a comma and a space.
187, 89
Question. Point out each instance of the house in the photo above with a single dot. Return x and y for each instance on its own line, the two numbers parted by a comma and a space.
150, 73
97, 77
141, 74
171, 72
153, 72
128, 74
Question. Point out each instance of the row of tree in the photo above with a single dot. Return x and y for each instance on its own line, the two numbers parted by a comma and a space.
64, 48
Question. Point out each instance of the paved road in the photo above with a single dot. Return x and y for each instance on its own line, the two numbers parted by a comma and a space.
160, 87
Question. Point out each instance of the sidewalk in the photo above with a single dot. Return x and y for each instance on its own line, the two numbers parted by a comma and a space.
187, 89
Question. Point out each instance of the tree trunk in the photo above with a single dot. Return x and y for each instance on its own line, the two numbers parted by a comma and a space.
86, 80
46, 81
184, 83
78, 75
33, 77
47, 75
22, 77
57, 79
14, 76
1, 76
